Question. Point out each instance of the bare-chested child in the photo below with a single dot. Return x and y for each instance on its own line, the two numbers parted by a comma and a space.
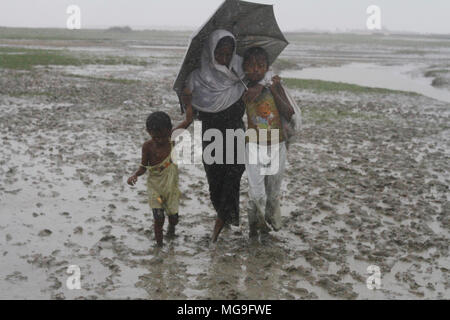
162, 181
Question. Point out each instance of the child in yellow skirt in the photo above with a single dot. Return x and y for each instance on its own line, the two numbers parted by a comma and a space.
162, 181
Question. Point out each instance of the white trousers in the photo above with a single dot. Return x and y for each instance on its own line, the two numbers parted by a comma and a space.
265, 166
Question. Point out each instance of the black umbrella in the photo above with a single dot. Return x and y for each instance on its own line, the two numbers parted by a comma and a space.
253, 24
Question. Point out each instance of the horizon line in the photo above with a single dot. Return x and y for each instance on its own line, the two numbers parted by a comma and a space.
192, 29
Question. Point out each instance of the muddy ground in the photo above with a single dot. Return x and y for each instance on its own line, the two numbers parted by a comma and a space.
367, 183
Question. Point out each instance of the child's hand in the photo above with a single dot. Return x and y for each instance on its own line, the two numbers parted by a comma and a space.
276, 81
132, 180
252, 93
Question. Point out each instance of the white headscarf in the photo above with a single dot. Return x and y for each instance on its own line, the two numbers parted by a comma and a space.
215, 87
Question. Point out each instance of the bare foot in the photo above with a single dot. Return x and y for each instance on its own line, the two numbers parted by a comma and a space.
170, 232
217, 228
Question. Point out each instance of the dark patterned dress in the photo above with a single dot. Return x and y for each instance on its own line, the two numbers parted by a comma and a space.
224, 179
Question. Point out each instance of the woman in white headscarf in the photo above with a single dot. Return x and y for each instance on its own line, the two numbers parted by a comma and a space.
215, 90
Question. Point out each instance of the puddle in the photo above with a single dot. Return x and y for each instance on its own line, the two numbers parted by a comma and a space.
373, 75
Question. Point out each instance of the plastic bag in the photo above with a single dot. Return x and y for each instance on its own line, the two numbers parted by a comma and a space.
290, 128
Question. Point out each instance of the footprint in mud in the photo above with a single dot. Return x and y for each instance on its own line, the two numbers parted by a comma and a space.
78, 230
305, 294
16, 277
333, 285
45, 233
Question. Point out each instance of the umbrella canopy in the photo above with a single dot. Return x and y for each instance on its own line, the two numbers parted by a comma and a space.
253, 24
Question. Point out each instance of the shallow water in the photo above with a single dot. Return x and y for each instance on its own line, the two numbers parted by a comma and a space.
398, 77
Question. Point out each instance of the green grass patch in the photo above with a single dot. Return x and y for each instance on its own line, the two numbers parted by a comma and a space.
412, 52
157, 37
330, 86
26, 59
283, 64
20, 94
7, 50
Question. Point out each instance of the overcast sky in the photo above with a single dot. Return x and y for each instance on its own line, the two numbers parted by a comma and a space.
400, 15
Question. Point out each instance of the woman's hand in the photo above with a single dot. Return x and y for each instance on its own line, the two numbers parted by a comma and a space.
132, 180
252, 93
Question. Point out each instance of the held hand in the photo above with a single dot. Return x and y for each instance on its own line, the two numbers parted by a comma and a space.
189, 112
186, 97
132, 180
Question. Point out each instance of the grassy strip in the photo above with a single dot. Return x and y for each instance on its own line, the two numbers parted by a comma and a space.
25, 59
330, 86
4, 50
412, 51
283, 64
20, 94
159, 36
